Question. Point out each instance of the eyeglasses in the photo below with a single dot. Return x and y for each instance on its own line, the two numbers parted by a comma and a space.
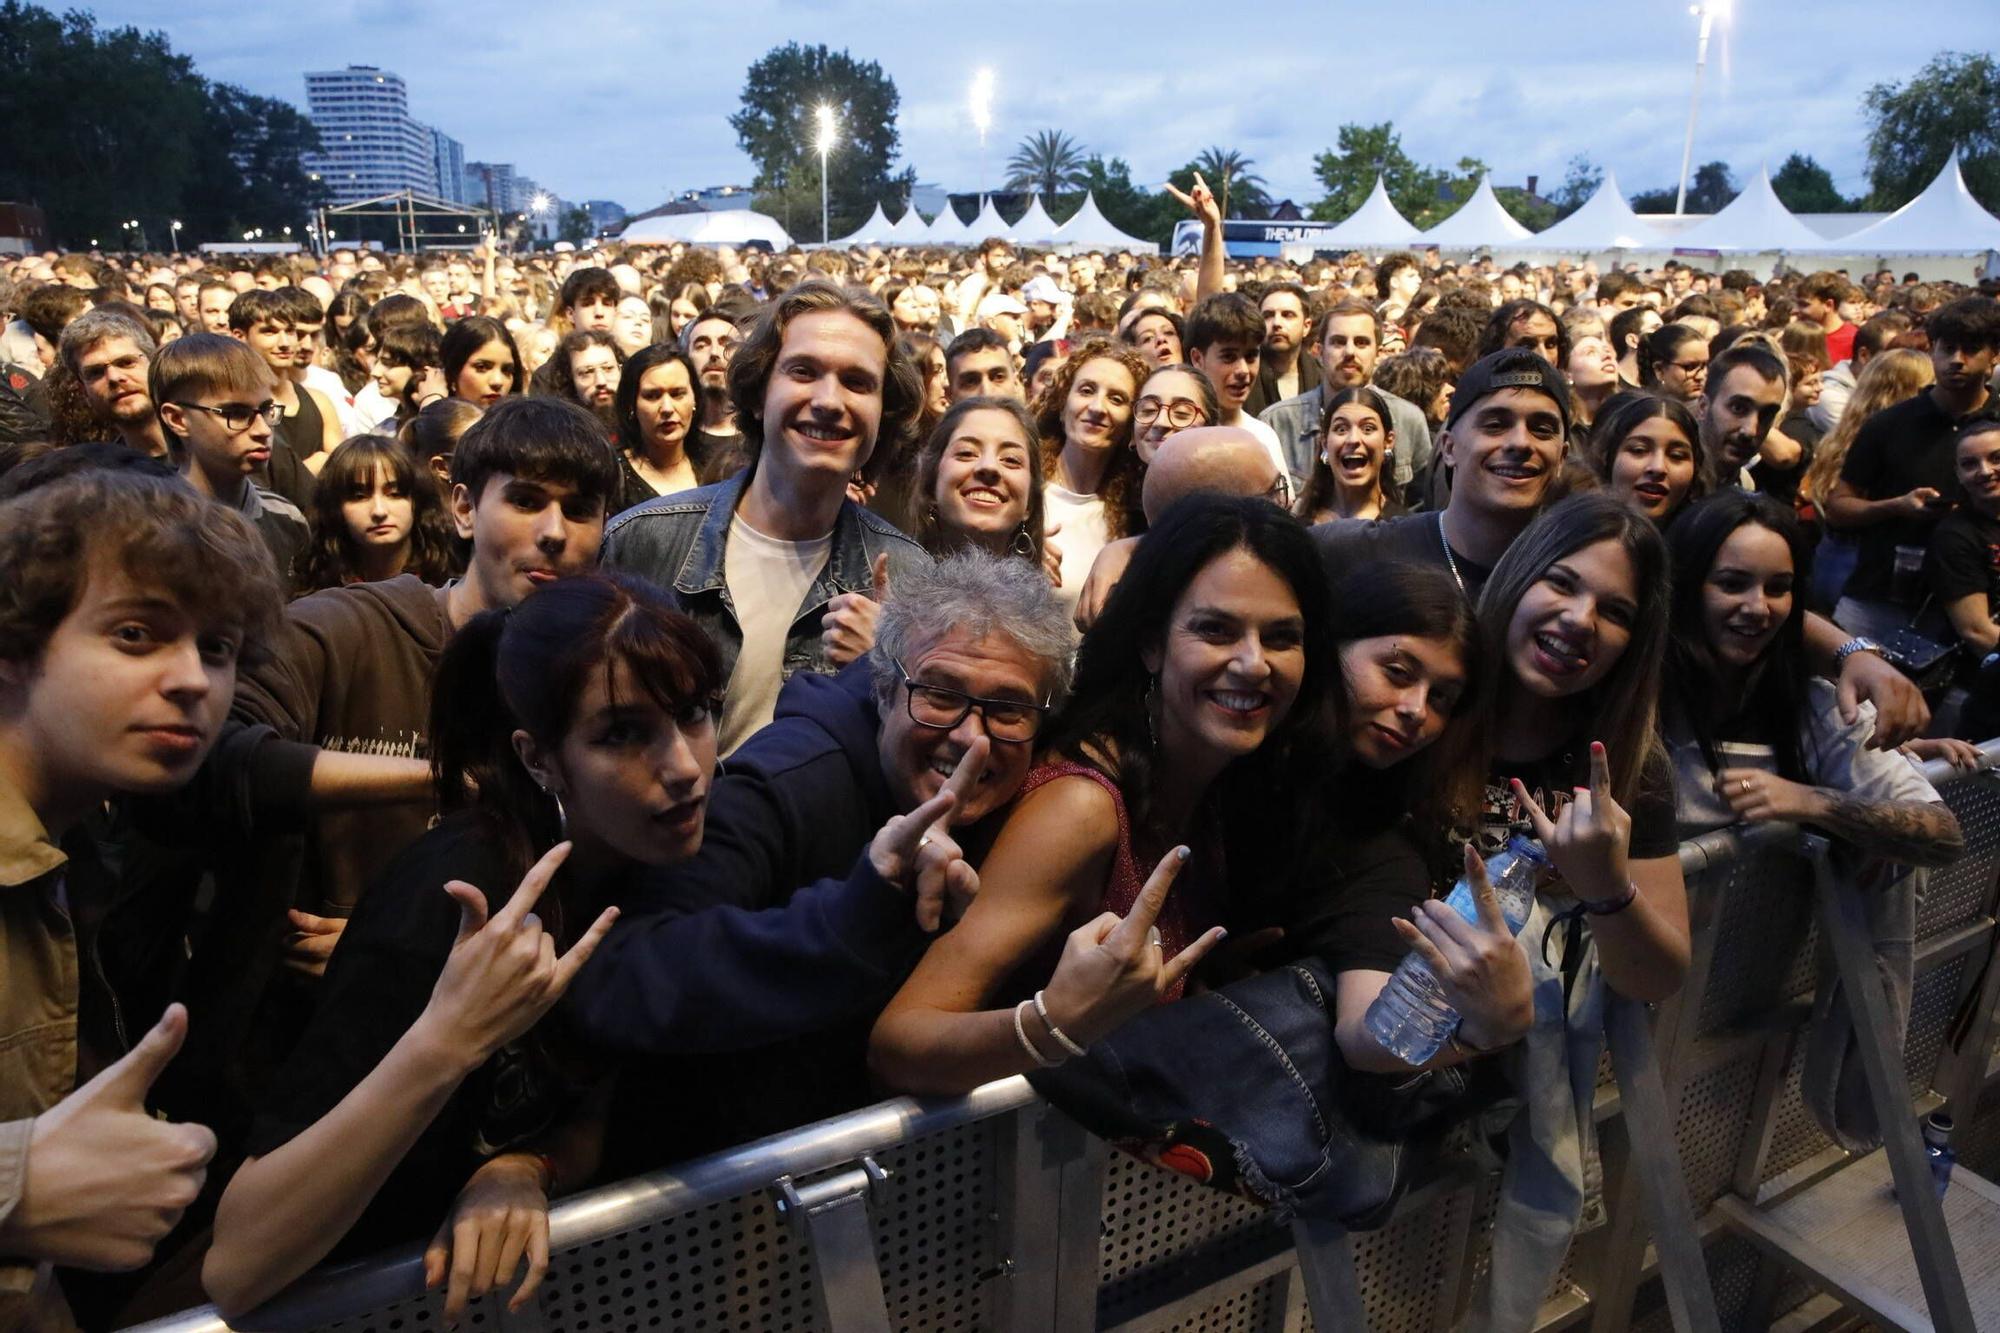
939, 708
1690, 368
1180, 413
236, 416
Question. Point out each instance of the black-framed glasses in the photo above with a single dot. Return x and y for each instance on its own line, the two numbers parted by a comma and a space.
1690, 368
237, 416
942, 708
1181, 414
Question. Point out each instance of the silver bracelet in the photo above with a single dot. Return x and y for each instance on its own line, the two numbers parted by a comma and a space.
1021, 1035
1062, 1038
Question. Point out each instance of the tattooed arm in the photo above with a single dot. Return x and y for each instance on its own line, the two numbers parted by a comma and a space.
1918, 833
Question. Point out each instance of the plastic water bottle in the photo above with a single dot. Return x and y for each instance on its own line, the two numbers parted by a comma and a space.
1410, 1018
1938, 1151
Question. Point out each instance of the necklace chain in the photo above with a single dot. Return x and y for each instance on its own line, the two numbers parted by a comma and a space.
1451, 561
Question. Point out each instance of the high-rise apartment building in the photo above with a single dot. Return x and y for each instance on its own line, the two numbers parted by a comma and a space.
448, 156
369, 144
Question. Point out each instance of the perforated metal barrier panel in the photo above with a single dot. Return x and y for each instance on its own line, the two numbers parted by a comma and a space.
1168, 1254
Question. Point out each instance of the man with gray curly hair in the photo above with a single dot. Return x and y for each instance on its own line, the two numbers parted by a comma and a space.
110, 354
829, 854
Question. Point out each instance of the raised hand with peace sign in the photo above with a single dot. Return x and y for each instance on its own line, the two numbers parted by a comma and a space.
1112, 967
1589, 842
916, 851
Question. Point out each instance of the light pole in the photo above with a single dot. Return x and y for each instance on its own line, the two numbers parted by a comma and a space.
1709, 11
825, 142
539, 206
174, 229
982, 119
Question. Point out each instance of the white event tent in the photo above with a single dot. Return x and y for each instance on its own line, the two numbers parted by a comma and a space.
946, 229
1036, 227
1481, 223
1944, 220
910, 229
733, 226
1089, 229
988, 223
1605, 222
1754, 222
1376, 225
875, 231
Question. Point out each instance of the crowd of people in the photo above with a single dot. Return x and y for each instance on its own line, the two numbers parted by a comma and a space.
473, 726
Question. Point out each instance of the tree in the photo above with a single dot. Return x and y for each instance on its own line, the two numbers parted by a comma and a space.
1362, 153
1228, 173
1712, 188
1954, 101
1582, 180
1804, 186
1531, 211
778, 129
1047, 162
576, 228
248, 171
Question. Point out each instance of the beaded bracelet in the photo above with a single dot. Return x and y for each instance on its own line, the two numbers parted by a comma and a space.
1021, 1035
1062, 1038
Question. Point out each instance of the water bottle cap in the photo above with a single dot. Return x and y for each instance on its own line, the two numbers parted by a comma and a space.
1940, 1120
1523, 845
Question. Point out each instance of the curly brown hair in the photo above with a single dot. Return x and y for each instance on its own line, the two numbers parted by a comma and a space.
1121, 484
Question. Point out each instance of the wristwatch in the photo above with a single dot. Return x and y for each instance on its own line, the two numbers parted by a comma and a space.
1860, 643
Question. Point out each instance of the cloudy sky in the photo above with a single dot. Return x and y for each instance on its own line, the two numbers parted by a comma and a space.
629, 101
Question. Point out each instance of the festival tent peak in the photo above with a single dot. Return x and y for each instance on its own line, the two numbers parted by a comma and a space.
946, 229
875, 231
733, 226
910, 228
1481, 223
1374, 225
1754, 222
1944, 220
1089, 229
1036, 227
988, 223
1605, 222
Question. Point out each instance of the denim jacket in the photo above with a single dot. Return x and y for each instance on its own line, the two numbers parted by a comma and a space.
677, 541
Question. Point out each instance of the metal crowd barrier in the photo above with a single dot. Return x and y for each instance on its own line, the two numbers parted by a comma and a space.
994, 1212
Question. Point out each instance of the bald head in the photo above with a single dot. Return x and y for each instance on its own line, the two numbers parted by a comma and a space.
1215, 460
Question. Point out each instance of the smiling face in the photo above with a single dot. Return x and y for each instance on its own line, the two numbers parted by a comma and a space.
1401, 690
1229, 664
1747, 595
917, 759
983, 479
525, 533
1353, 446
1738, 413
1170, 401
1573, 624
1097, 414
1504, 451
633, 777
1977, 460
823, 402
1653, 468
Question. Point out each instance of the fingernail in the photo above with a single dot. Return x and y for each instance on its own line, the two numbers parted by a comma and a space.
1183, 853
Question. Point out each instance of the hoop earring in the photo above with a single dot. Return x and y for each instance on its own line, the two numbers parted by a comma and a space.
1023, 544
562, 815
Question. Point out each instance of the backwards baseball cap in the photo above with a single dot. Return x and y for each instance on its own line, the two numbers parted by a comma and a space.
999, 303
1043, 288
1509, 368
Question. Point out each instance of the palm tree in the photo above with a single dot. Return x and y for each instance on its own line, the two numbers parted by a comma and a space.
1049, 163
1228, 171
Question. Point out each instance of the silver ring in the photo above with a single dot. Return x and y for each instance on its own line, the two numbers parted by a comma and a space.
924, 841
1153, 938
1745, 784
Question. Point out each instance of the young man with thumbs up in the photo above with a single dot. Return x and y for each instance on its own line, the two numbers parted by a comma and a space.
774, 562
130, 600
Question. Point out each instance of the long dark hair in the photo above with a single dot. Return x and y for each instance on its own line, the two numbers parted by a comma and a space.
343, 345
1619, 710
1320, 486
330, 558
1774, 704
1108, 723
1624, 413
625, 403
526, 667
923, 495
464, 339
1661, 345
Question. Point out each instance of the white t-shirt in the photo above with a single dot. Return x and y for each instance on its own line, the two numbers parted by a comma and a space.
767, 580
1083, 534
352, 421
1266, 437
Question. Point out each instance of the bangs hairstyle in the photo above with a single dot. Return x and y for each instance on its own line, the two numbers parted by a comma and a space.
1775, 701
463, 340
528, 667
331, 558
205, 558
625, 403
1123, 478
1625, 412
1321, 488
537, 439
1108, 723
1619, 710
930, 460
756, 360
197, 364
258, 306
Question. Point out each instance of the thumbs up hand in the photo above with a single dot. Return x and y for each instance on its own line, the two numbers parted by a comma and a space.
105, 1179
848, 628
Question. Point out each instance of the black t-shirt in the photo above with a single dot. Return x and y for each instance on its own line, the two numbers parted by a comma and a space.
1416, 539
377, 984
1552, 782
1901, 448
1964, 558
